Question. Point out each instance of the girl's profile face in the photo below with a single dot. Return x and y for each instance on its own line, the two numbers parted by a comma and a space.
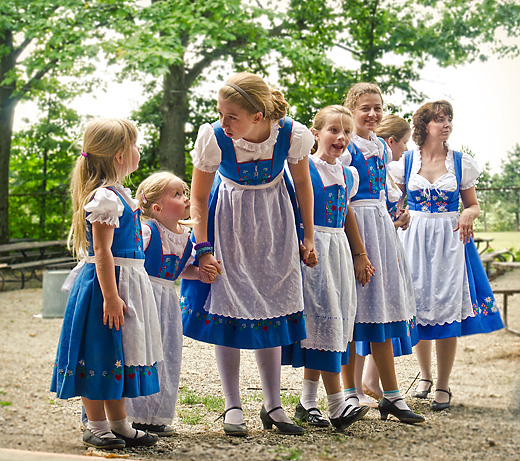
398, 147
127, 164
333, 138
236, 122
368, 114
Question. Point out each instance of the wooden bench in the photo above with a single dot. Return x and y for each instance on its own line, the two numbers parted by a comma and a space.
24, 259
506, 293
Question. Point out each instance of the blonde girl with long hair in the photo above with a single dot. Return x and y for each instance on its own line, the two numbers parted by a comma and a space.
110, 339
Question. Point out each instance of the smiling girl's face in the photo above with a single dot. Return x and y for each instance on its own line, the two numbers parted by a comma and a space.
334, 137
368, 114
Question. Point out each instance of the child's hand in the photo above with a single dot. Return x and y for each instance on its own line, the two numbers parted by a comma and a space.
363, 269
308, 253
403, 219
208, 274
113, 312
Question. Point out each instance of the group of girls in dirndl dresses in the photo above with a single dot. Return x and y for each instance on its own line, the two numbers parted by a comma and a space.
270, 228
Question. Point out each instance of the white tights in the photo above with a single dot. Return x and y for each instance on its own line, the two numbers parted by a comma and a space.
269, 367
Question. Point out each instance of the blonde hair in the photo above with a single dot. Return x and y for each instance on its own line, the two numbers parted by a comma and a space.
393, 126
425, 114
152, 189
271, 102
320, 119
103, 139
358, 90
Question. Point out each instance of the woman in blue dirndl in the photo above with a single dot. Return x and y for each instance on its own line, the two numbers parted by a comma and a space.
244, 214
452, 292
110, 340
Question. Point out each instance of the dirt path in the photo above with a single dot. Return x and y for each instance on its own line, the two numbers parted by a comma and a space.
484, 421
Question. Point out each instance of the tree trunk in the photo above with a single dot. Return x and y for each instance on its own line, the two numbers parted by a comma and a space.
6, 133
174, 110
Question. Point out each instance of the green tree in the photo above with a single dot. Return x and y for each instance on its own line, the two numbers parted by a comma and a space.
509, 179
42, 158
41, 40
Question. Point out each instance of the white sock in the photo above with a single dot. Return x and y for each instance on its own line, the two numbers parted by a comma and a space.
100, 429
395, 397
337, 405
228, 364
269, 363
122, 426
309, 393
351, 397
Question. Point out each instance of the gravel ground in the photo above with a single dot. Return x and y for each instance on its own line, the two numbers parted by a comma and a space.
483, 422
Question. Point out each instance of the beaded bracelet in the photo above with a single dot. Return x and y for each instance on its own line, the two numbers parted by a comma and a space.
203, 248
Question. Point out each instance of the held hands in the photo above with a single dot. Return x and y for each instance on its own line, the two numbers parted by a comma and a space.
308, 253
363, 269
209, 268
208, 272
403, 219
465, 227
113, 312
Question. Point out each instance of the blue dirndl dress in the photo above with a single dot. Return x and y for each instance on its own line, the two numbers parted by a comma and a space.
385, 309
329, 290
164, 263
90, 361
239, 309
453, 294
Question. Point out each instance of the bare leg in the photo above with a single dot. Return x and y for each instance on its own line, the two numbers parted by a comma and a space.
445, 350
228, 364
269, 366
358, 375
116, 409
423, 349
371, 378
348, 372
383, 355
95, 409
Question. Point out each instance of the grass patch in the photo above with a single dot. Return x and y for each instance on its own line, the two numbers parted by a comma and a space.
501, 240
289, 400
288, 453
197, 406
4, 403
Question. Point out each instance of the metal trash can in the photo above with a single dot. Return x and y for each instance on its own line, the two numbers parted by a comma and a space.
54, 300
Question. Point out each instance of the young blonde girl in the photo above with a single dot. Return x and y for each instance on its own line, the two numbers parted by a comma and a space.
165, 207
385, 310
395, 131
244, 218
329, 290
110, 340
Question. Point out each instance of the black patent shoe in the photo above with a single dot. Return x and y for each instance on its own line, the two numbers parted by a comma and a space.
160, 430
436, 406
312, 416
284, 428
423, 394
234, 430
342, 422
147, 440
91, 440
387, 407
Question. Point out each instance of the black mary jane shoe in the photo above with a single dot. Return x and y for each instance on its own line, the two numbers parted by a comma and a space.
312, 416
387, 407
91, 440
436, 406
147, 440
160, 430
284, 428
423, 394
344, 421
234, 430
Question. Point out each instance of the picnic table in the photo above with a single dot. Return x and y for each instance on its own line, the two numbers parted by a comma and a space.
22, 260
482, 241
